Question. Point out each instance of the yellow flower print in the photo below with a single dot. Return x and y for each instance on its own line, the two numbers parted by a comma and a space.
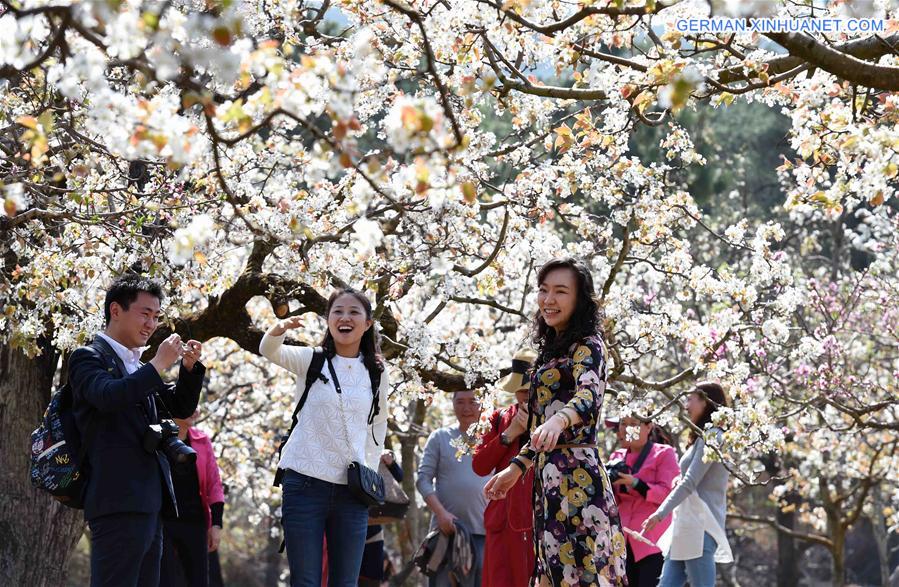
566, 554
618, 544
550, 376
577, 371
582, 477
544, 395
581, 354
585, 394
561, 516
589, 563
577, 497
576, 521
591, 544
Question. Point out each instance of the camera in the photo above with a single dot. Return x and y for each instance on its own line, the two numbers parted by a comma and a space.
615, 469
164, 437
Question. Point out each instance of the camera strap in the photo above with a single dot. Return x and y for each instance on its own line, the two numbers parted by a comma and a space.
642, 457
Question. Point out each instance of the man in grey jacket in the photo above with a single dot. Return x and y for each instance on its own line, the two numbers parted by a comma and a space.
452, 490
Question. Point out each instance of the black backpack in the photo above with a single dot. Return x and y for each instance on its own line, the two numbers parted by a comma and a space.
58, 449
315, 372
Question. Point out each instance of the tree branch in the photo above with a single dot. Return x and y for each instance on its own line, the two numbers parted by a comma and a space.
838, 63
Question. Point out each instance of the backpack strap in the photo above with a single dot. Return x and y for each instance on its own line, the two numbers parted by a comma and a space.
93, 424
105, 349
642, 456
312, 373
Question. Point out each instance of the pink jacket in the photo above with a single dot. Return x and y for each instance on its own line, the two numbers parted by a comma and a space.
207, 472
658, 471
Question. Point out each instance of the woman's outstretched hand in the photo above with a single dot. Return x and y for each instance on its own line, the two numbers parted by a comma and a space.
285, 325
500, 484
650, 523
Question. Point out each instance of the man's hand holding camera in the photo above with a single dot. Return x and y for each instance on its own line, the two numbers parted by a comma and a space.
172, 349
191, 351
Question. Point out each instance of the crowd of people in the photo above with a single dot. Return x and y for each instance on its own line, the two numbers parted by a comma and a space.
533, 504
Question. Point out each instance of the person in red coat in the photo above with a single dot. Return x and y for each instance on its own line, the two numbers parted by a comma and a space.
509, 522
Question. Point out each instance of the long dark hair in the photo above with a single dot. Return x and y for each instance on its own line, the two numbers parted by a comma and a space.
585, 321
370, 345
715, 398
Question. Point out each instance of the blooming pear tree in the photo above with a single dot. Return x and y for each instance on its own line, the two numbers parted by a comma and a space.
253, 155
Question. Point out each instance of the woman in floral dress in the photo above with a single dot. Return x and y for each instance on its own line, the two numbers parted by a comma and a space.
577, 532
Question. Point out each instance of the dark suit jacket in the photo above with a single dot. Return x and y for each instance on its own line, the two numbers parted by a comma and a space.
123, 476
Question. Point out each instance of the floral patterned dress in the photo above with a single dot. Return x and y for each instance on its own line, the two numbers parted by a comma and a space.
577, 530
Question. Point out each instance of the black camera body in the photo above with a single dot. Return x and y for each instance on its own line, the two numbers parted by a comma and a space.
615, 469
164, 437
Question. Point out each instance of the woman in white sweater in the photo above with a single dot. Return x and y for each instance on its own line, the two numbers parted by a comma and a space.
343, 420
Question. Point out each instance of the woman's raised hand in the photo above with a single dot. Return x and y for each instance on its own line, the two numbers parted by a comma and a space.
285, 325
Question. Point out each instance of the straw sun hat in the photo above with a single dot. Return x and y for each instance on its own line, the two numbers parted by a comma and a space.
518, 377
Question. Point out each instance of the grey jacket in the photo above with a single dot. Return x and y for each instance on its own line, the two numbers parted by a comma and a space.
707, 479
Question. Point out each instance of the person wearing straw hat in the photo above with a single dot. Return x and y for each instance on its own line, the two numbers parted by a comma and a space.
509, 549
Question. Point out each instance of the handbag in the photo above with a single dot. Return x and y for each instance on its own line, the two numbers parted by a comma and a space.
364, 483
396, 502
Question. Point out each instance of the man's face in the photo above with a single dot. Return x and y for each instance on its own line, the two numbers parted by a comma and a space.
466, 407
134, 327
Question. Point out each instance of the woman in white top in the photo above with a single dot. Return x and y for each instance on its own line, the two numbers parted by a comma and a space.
333, 430
696, 539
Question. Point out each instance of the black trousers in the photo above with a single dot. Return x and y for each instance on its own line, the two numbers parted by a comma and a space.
646, 571
185, 560
125, 550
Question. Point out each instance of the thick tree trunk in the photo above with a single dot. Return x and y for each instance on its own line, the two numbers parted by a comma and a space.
273, 558
411, 531
37, 534
838, 552
836, 529
787, 555
881, 535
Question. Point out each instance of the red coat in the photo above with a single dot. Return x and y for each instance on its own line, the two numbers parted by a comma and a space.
207, 472
509, 545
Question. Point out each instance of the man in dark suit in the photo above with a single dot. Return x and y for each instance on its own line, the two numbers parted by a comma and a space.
115, 401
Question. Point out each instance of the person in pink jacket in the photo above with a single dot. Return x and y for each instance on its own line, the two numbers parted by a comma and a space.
642, 472
187, 539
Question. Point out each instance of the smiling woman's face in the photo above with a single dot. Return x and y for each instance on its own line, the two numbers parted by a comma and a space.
557, 298
347, 321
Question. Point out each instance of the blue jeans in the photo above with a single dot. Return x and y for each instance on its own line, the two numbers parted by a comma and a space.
700, 572
311, 510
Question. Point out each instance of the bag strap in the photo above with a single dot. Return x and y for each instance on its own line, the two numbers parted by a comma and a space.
93, 424
336, 382
642, 457
106, 350
375, 379
313, 373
